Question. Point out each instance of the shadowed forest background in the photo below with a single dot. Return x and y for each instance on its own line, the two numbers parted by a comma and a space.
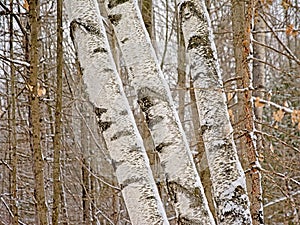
52, 145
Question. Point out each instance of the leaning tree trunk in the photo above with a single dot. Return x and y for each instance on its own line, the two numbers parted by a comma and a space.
154, 97
228, 179
115, 120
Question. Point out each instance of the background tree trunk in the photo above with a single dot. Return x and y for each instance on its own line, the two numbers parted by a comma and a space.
259, 70
14, 153
35, 117
58, 116
242, 25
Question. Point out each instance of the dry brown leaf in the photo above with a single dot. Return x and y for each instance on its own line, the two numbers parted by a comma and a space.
258, 104
261, 157
229, 96
278, 115
295, 33
289, 29
286, 4
26, 5
296, 117
246, 46
41, 91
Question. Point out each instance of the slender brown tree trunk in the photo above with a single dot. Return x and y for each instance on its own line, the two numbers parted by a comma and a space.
38, 166
14, 155
147, 12
65, 218
85, 191
181, 70
93, 200
259, 70
242, 15
58, 112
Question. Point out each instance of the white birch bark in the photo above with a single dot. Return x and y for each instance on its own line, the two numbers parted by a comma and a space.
115, 120
154, 97
228, 179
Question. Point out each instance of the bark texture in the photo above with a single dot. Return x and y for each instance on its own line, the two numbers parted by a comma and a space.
181, 70
115, 120
242, 16
259, 70
183, 183
38, 167
58, 116
228, 179
14, 155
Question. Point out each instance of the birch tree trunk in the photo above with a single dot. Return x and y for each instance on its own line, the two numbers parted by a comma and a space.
201, 155
154, 97
115, 120
228, 179
242, 25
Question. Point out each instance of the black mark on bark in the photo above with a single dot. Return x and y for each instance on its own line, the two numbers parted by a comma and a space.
131, 180
188, 9
123, 113
203, 128
100, 111
155, 121
99, 49
197, 41
114, 3
124, 40
159, 147
114, 19
145, 103
103, 125
120, 134
89, 26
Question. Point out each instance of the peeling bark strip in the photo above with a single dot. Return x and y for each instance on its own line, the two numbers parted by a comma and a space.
154, 98
115, 119
228, 179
